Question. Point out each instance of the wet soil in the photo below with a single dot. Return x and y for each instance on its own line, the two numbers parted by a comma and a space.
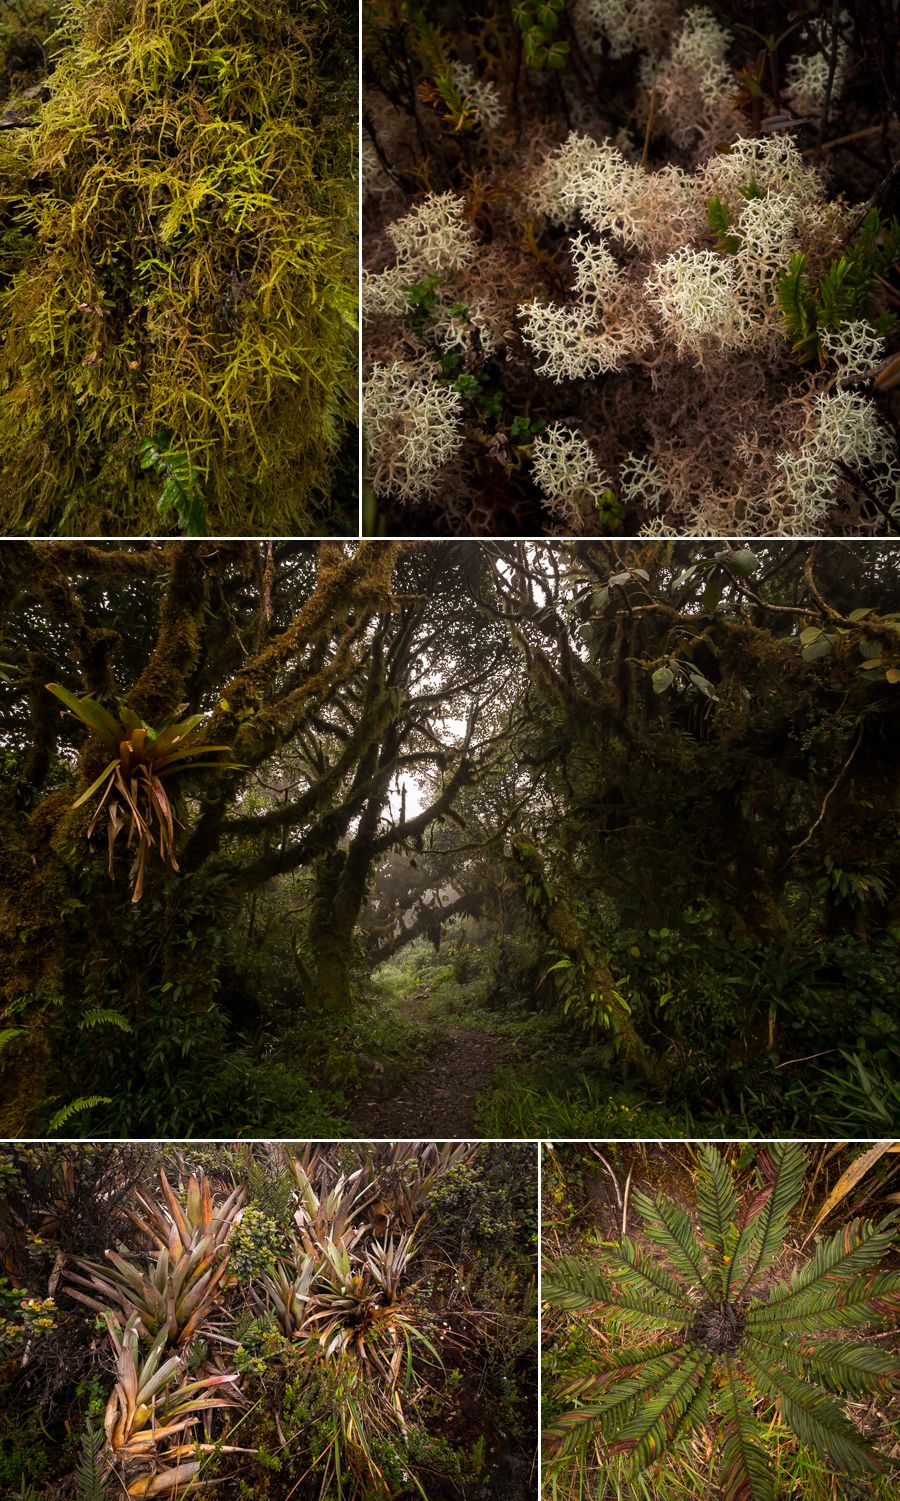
438, 1099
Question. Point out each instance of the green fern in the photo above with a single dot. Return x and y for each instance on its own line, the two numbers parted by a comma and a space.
91, 1470
724, 1345
798, 309
104, 1016
720, 222
847, 292
181, 484
86, 1102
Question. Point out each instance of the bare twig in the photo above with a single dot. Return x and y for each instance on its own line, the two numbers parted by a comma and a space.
825, 801
651, 108
625, 1198
832, 65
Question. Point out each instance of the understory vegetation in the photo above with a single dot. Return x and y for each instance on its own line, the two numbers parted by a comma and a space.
178, 267
275, 1321
721, 1321
631, 268
597, 839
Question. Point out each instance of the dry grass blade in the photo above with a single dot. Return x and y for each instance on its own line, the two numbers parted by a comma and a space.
848, 1181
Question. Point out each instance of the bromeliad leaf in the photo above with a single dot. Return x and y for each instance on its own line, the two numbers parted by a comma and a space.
131, 785
91, 713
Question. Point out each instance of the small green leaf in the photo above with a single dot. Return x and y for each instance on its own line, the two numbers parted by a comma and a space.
817, 649
744, 561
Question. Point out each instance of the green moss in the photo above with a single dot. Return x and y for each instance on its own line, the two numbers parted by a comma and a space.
177, 258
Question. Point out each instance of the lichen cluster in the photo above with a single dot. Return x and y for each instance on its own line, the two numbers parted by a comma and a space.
666, 316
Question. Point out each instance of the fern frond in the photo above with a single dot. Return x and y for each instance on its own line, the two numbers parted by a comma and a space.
637, 1274
103, 1016
814, 1416
571, 1431
670, 1227
648, 1434
574, 1285
697, 1410
744, 1469
717, 1204
852, 1250
761, 1238
181, 483
843, 1306
86, 1102
91, 1469
842, 1366
615, 1367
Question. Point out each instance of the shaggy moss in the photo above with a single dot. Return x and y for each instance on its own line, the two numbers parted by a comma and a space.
177, 263
25, 26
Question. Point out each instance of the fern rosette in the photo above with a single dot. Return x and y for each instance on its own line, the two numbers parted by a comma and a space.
717, 1341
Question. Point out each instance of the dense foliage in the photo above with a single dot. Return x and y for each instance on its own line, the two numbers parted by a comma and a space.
631, 805
178, 268
276, 1322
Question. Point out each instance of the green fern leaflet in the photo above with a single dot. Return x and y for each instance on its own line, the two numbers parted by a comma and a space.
706, 1339
849, 291
181, 484
92, 1469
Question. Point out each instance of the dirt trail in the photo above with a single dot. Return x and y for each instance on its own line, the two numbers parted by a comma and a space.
438, 1099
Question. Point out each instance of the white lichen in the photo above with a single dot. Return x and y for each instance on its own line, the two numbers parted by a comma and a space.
413, 426
480, 97
568, 473
695, 294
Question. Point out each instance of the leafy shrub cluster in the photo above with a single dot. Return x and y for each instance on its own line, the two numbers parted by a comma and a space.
291, 1320
639, 295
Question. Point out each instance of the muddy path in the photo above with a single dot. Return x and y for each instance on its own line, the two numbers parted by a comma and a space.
438, 1099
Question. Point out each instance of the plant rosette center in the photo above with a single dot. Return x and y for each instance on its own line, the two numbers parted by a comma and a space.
718, 1327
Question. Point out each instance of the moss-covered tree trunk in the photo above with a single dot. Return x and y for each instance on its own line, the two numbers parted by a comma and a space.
178, 269
78, 952
590, 986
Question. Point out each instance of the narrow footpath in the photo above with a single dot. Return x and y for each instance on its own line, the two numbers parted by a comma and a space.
438, 1099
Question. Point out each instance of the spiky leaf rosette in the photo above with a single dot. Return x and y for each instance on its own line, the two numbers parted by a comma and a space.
714, 1343
133, 787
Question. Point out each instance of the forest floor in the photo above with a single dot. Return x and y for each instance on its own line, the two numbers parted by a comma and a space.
439, 1097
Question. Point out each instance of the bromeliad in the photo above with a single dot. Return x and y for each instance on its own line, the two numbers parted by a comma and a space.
133, 781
